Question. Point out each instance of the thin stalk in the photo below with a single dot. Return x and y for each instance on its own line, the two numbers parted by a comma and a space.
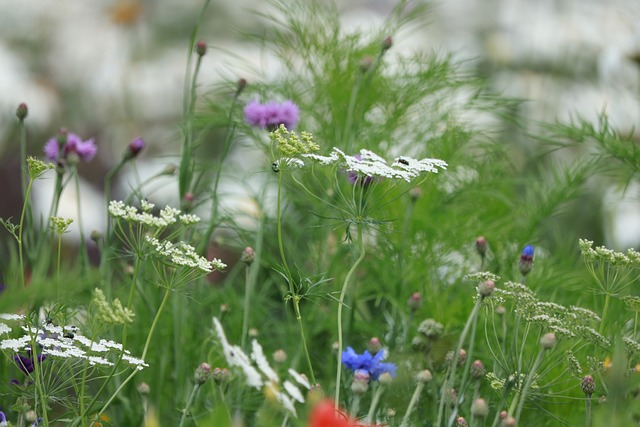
355, 406
20, 231
294, 295
345, 285
467, 365
23, 157
192, 397
374, 403
607, 298
412, 403
587, 420
527, 384
84, 257
450, 378
247, 299
348, 132
144, 351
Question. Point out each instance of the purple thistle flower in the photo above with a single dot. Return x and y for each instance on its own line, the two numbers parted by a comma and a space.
272, 114
86, 150
367, 362
134, 148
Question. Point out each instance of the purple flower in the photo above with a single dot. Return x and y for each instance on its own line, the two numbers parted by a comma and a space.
272, 114
134, 148
85, 150
367, 362
26, 363
3, 419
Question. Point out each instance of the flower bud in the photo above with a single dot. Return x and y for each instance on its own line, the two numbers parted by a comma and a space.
509, 421
461, 422
221, 375
486, 288
366, 63
374, 345
548, 341
248, 255
360, 383
242, 83
134, 147
279, 356
169, 169
588, 385
526, 260
201, 47
500, 310
385, 378
96, 236
22, 111
424, 376
203, 373
482, 246
415, 193
477, 370
144, 389
387, 43
415, 301
479, 408
253, 332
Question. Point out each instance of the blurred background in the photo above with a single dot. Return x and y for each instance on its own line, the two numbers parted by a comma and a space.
114, 70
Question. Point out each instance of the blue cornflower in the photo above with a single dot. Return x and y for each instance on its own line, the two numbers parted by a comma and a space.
3, 419
368, 362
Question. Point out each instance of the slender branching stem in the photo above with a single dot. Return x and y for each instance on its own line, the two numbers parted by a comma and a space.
192, 397
343, 293
412, 403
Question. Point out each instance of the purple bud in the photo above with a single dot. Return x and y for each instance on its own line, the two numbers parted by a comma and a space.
22, 112
526, 260
201, 47
134, 147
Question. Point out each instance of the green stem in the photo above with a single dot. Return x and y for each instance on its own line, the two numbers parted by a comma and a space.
412, 403
374, 403
144, 351
245, 315
20, 231
192, 397
450, 379
292, 291
588, 412
23, 158
84, 257
607, 298
343, 293
527, 384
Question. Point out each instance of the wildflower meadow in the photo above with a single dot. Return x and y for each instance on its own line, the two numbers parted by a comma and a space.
369, 236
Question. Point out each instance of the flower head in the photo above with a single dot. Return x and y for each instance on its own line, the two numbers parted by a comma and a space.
272, 114
526, 260
367, 362
134, 148
59, 149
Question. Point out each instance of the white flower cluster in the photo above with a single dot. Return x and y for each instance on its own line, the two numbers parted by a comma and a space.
370, 164
185, 255
66, 343
166, 217
264, 376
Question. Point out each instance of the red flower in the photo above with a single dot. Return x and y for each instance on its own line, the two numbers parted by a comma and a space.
325, 414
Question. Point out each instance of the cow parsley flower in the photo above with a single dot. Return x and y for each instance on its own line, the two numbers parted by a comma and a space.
369, 164
262, 376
